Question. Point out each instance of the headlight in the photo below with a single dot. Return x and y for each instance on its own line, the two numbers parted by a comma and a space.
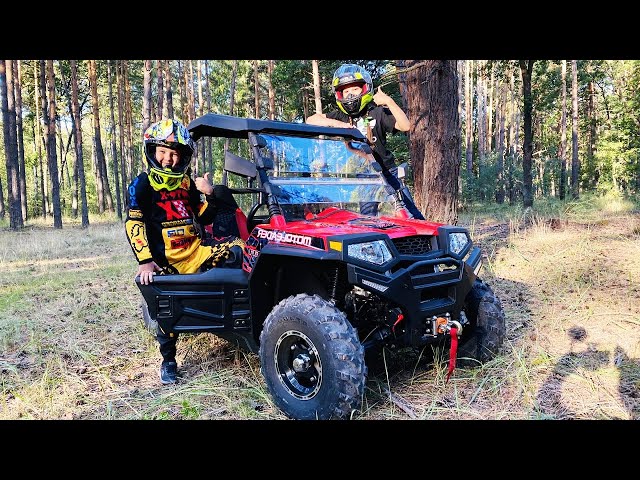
457, 242
375, 252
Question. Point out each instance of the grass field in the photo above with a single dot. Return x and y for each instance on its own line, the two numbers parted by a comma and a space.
72, 345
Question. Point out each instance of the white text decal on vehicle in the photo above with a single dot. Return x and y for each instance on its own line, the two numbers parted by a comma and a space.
283, 237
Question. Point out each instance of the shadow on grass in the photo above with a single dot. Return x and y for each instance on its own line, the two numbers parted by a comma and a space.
549, 401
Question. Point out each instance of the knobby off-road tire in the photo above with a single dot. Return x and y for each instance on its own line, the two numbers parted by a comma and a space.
483, 337
149, 324
312, 360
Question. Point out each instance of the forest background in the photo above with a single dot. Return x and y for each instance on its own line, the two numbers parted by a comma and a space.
540, 159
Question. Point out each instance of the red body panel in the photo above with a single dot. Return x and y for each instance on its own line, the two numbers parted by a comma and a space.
341, 222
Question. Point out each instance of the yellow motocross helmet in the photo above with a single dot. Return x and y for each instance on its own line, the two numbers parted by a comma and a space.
171, 134
350, 74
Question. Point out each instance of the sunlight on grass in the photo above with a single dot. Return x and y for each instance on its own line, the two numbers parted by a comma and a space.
72, 344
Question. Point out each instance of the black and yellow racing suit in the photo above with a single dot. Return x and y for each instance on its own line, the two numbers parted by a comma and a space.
161, 226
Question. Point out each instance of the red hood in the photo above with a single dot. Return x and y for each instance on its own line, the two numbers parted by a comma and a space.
343, 222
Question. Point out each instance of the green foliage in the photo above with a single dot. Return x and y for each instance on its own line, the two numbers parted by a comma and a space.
614, 165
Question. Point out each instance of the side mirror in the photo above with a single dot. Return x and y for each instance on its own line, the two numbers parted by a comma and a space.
238, 165
258, 141
363, 147
402, 170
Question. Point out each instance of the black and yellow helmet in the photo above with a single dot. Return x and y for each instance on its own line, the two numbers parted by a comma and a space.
171, 134
350, 74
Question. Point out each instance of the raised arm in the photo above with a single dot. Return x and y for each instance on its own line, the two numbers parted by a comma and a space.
402, 121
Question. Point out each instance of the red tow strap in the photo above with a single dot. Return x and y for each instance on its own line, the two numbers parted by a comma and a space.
452, 351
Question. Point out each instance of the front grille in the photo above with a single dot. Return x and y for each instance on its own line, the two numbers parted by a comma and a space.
416, 245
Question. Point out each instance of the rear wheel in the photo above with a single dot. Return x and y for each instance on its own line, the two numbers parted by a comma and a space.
484, 336
312, 360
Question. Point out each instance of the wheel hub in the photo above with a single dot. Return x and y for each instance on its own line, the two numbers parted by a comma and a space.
298, 364
302, 363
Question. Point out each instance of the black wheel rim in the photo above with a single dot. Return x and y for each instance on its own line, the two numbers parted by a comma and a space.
298, 364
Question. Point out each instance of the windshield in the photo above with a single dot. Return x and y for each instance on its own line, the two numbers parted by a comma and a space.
313, 174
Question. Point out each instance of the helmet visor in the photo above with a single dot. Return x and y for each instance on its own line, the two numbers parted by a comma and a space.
340, 91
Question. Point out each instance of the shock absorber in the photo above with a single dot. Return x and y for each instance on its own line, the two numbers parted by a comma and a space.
335, 288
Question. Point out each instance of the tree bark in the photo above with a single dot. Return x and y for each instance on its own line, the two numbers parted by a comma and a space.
272, 91
592, 116
232, 96
181, 93
112, 129
575, 161
128, 113
563, 134
256, 87
77, 130
121, 124
200, 111
10, 143
469, 114
22, 175
526, 69
146, 97
41, 107
160, 93
169, 92
431, 99
208, 95
50, 120
500, 120
101, 163
316, 86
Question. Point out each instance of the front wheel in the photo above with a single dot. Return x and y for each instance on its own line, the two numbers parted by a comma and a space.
483, 337
312, 360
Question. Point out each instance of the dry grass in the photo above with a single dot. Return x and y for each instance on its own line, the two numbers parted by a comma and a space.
72, 345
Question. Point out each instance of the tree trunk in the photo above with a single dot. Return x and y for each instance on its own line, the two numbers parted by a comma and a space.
191, 96
592, 116
146, 97
169, 92
128, 114
181, 94
526, 69
50, 119
512, 135
563, 134
232, 96
432, 103
121, 124
209, 140
77, 127
101, 162
2, 207
39, 81
482, 116
114, 149
200, 112
22, 175
10, 143
256, 87
500, 120
272, 92
469, 114
575, 161
160, 93
316, 86
490, 109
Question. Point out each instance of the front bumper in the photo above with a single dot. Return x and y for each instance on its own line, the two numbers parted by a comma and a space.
425, 288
